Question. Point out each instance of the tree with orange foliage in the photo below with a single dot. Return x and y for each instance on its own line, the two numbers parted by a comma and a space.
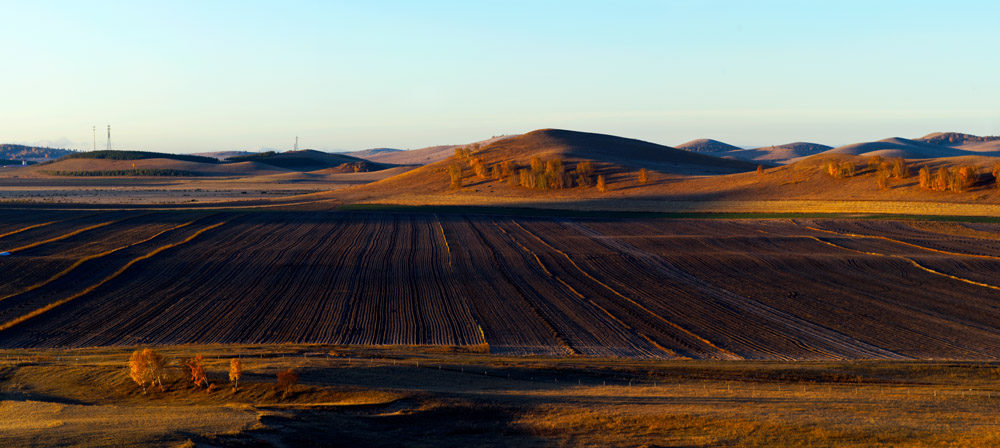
146, 367
197, 367
287, 379
601, 185
925, 178
455, 173
235, 372
643, 176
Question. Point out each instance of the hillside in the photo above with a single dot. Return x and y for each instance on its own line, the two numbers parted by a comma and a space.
139, 155
780, 154
707, 145
423, 156
956, 138
618, 159
369, 153
87, 167
311, 160
32, 153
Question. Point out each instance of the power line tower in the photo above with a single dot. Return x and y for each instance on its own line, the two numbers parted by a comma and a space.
94, 128
296, 143
109, 137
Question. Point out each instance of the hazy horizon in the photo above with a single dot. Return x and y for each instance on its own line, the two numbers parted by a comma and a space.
191, 77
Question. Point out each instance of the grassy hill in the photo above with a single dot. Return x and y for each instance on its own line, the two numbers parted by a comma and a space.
140, 155
707, 145
311, 160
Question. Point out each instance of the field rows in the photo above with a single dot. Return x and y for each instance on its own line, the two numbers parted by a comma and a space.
770, 289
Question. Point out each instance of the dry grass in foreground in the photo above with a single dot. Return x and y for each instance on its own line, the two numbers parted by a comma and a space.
418, 396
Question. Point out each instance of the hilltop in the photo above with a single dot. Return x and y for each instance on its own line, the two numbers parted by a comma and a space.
422, 156
780, 154
311, 160
707, 145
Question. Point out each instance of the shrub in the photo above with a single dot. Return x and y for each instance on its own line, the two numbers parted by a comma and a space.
146, 367
235, 372
601, 185
760, 170
197, 367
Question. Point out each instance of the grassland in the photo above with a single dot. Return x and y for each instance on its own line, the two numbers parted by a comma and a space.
426, 396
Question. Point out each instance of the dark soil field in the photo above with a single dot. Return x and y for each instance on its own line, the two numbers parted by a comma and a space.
788, 289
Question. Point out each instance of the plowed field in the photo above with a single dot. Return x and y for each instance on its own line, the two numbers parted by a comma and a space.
645, 288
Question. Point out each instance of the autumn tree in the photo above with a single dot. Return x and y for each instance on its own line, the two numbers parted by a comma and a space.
760, 170
583, 172
874, 162
455, 172
643, 176
287, 379
495, 172
882, 178
899, 168
601, 185
943, 179
925, 178
146, 367
996, 173
196, 366
965, 177
235, 372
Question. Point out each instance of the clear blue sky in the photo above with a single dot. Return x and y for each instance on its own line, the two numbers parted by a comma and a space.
216, 75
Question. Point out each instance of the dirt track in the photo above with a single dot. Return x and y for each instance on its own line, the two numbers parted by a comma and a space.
768, 289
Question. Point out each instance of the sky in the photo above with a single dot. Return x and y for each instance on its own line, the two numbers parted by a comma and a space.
204, 76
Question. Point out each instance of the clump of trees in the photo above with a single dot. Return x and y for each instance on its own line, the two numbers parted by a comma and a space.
957, 178
894, 169
147, 368
838, 169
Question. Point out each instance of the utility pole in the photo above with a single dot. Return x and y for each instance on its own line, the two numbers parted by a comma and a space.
296, 143
109, 137
94, 128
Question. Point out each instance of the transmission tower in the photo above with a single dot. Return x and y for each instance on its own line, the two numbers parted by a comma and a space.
109, 137
94, 128
296, 143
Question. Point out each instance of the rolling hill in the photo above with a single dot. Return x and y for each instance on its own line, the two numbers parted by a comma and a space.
707, 145
422, 156
312, 160
776, 154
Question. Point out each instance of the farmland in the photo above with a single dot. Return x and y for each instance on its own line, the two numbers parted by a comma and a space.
789, 289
